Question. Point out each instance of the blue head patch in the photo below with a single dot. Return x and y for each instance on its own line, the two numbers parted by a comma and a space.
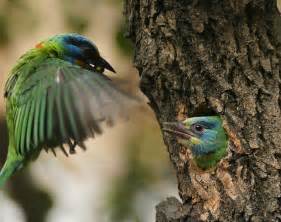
207, 134
77, 50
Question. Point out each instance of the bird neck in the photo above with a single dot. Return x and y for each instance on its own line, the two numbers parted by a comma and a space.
32, 58
210, 160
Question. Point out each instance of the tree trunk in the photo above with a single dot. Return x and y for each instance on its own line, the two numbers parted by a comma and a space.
198, 57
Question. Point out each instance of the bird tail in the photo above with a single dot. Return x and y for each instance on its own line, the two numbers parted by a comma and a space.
10, 166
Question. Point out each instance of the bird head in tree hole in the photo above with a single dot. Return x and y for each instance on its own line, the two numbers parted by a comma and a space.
204, 136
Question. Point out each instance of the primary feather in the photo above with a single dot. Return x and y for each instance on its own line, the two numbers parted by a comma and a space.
57, 94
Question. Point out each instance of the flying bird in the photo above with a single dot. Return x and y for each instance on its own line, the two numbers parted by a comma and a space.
204, 136
55, 95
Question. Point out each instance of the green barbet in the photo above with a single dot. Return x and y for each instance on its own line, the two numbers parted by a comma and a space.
57, 94
205, 136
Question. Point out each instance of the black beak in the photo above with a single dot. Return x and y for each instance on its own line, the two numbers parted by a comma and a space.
103, 63
178, 129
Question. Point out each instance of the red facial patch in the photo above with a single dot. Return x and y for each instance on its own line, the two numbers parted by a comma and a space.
39, 45
79, 62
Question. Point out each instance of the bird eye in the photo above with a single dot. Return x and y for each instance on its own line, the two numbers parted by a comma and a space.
198, 128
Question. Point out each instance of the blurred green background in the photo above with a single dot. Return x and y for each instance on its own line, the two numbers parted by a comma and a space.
126, 171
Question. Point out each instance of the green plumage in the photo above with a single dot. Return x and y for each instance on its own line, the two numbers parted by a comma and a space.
51, 99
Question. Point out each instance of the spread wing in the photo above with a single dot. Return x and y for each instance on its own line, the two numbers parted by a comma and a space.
62, 103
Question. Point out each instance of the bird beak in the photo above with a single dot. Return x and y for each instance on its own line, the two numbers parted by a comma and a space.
103, 63
178, 129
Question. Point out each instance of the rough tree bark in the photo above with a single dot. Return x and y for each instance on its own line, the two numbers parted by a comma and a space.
198, 57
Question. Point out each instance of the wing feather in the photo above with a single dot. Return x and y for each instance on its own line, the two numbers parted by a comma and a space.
70, 113
60, 103
42, 116
37, 101
24, 127
78, 91
50, 120
18, 127
59, 107
30, 124
92, 111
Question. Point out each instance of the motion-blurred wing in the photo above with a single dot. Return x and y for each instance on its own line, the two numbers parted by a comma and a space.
63, 103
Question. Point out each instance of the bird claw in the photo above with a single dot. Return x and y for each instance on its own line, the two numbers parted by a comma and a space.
72, 147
